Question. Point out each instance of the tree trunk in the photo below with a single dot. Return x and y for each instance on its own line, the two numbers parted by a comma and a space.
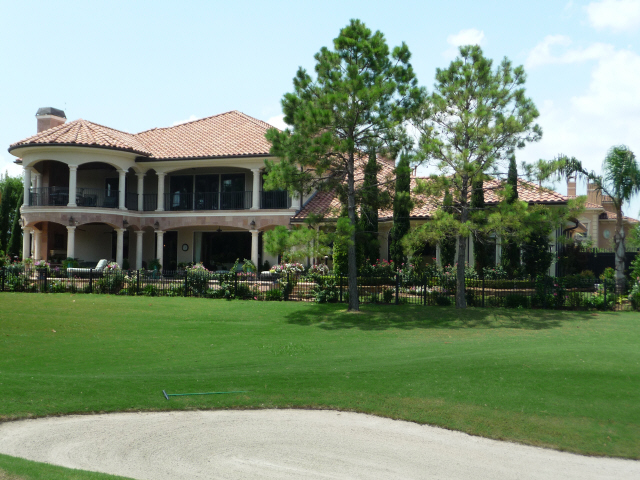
618, 240
461, 300
354, 304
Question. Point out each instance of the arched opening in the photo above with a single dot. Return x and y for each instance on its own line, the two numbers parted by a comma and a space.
98, 185
50, 181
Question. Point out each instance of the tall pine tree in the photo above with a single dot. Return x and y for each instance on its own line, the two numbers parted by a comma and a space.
480, 247
448, 244
402, 206
368, 231
511, 249
15, 241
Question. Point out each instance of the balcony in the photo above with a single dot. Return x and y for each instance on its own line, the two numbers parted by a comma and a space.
85, 197
275, 199
178, 201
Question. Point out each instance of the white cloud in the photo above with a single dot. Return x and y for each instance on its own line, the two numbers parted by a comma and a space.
586, 125
470, 36
617, 15
190, 119
278, 122
542, 53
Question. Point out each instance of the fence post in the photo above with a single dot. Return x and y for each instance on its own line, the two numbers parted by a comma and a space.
286, 289
397, 288
138, 282
46, 275
3, 274
482, 291
424, 289
186, 284
91, 280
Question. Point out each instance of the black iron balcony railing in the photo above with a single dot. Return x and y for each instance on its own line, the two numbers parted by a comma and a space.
275, 199
208, 201
149, 201
131, 201
85, 197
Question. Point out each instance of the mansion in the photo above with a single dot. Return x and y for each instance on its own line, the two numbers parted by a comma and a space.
192, 192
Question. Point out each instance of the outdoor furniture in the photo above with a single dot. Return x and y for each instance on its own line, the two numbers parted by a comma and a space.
85, 271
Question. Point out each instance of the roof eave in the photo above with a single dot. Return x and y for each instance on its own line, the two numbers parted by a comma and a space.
80, 145
200, 157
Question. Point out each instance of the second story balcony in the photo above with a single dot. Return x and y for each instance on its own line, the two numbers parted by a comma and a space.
85, 197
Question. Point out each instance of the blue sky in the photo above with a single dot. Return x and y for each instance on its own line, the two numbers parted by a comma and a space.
136, 65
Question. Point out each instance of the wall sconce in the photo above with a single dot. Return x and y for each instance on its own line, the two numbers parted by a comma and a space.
125, 224
253, 224
72, 221
21, 222
156, 226
219, 230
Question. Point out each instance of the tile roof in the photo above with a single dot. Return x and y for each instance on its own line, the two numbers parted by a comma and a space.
328, 204
83, 133
614, 216
228, 134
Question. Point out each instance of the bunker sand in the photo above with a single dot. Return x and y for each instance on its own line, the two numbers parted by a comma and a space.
287, 444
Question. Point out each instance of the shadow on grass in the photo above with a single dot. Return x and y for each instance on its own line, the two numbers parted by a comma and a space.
406, 317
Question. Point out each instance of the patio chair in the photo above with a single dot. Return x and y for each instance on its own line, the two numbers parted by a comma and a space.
85, 271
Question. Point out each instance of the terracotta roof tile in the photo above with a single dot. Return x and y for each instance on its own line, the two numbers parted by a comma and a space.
228, 134
327, 203
83, 133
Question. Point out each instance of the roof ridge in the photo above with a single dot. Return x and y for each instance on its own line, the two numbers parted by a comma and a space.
190, 122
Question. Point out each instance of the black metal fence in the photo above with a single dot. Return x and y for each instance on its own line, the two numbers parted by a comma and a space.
568, 293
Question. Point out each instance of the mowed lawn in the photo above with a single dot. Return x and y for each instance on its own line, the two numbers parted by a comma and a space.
565, 380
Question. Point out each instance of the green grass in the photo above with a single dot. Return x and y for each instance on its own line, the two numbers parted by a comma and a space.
564, 380
12, 468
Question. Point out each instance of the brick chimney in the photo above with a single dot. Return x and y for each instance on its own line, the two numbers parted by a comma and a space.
49, 117
571, 187
593, 195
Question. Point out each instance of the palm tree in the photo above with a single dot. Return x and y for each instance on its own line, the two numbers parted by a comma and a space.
620, 180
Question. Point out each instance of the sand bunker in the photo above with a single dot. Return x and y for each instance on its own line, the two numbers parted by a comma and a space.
287, 444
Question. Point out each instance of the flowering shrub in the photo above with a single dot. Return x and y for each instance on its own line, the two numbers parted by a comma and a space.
112, 267
634, 295
318, 269
198, 278
41, 264
381, 268
284, 268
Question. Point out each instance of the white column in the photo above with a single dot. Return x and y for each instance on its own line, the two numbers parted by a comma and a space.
139, 234
254, 247
38, 245
295, 201
160, 245
37, 185
73, 170
26, 242
161, 176
119, 245
71, 242
498, 250
122, 192
27, 186
256, 189
140, 192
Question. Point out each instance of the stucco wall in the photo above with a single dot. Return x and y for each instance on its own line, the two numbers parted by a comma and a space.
93, 242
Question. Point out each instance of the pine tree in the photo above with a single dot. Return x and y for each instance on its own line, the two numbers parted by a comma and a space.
510, 249
476, 117
448, 244
480, 247
15, 241
361, 96
369, 210
402, 206
5, 213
